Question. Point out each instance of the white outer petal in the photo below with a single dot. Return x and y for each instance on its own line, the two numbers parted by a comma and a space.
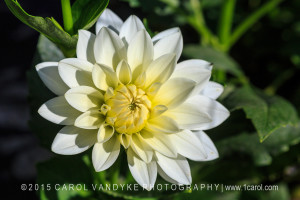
130, 27
216, 111
144, 173
105, 154
174, 92
109, 19
177, 169
212, 90
75, 72
188, 145
210, 148
140, 50
48, 72
169, 44
164, 34
59, 111
85, 46
109, 49
71, 140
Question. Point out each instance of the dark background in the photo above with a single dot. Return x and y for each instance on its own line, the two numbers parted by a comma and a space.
264, 53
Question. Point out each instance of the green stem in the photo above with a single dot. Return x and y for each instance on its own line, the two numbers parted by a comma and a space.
198, 22
252, 19
225, 21
67, 16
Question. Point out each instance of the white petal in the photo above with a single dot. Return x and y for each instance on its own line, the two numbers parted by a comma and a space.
124, 72
75, 72
169, 44
58, 111
174, 92
109, 19
48, 72
71, 140
109, 48
91, 119
165, 176
189, 145
210, 148
105, 133
104, 77
162, 124
158, 110
212, 90
197, 70
177, 169
159, 142
144, 173
140, 51
164, 34
84, 98
85, 46
160, 69
216, 111
141, 148
130, 27
105, 154
189, 115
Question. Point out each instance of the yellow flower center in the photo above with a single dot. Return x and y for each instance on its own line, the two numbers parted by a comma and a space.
127, 108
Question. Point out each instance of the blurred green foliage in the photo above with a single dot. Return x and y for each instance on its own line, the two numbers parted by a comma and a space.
255, 48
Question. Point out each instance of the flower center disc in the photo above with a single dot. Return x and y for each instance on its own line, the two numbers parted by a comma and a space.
129, 109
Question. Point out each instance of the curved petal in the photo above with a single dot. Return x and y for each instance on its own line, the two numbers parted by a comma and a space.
105, 154
162, 124
174, 92
71, 140
91, 119
85, 46
58, 111
159, 142
169, 44
124, 72
104, 77
212, 90
144, 173
160, 70
216, 111
196, 70
75, 72
177, 169
164, 34
48, 72
210, 148
109, 48
165, 176
109, 19
130, 27
105, 133
189, 145
140, 51
141, 148
188, 115
84, 98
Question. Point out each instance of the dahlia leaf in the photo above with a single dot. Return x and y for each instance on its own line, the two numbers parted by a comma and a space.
86, 12
267, 113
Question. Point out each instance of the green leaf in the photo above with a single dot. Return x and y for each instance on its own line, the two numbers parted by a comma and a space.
267, 113
219, 59
86, 12
57, 175
47, 26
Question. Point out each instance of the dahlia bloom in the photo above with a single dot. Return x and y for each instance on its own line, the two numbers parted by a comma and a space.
126, 89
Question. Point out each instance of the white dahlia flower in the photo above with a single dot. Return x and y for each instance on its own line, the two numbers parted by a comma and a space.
126, 89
